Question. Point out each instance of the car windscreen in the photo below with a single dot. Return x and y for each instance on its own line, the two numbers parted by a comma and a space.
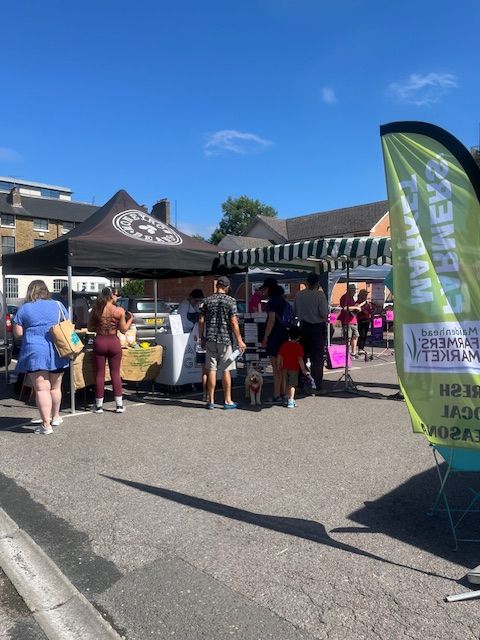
148, 306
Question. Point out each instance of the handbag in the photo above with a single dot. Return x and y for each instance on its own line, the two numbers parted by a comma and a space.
65, 338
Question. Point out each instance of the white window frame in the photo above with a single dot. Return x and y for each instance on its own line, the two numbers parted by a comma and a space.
11, 287
64, 231
43, 230
8, 226
14, 245
58, 284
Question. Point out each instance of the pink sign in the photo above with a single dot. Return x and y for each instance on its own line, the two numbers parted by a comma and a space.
389, 315
336, 356
332, 318
377, 322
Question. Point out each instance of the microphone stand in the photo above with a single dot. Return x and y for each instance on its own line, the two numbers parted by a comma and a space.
349, 385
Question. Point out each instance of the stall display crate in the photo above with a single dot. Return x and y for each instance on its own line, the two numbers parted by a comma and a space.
253, 329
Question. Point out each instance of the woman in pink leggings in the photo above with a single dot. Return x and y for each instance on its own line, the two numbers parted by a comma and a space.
105, 319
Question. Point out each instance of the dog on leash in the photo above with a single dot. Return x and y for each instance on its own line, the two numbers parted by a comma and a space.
253, 386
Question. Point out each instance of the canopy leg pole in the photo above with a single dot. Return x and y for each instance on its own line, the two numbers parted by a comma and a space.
155, 296
4, 306
246, 291
70, 315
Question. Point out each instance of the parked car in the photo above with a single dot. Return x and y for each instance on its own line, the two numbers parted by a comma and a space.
144, 311
6, 332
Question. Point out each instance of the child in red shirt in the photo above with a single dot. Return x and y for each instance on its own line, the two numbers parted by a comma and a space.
290, 361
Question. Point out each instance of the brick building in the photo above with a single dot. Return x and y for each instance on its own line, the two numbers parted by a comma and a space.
363, 220
32, 213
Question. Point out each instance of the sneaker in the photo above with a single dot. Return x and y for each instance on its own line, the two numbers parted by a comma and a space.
361, 352
43, 431
119, 408
98, 410
354, 356
274, 400
56, 422
291, 404
234, 405
209, 405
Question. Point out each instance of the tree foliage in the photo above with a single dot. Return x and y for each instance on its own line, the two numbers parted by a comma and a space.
133, 288
198, 236
237, 215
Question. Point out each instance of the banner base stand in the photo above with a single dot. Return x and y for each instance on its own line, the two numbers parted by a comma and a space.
348, 385
386, 353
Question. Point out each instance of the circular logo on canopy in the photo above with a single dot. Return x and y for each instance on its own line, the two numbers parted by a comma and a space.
142, 226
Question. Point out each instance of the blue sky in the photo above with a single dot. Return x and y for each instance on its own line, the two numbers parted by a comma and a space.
279, 100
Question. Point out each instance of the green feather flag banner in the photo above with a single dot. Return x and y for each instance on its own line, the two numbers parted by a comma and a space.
433, 188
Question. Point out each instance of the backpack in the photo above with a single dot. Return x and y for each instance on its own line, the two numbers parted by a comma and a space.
286, 317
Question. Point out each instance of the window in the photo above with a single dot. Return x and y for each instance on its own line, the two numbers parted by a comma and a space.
59, 284
7, 220
40, 224
8, 245
11, 287
38, 243
67, 227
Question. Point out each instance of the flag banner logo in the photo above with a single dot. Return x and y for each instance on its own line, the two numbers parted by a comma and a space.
142, 226
433, 189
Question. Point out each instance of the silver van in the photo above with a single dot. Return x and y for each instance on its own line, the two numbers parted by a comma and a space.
143, 310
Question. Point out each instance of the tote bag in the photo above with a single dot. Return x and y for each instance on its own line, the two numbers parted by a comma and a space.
66, 341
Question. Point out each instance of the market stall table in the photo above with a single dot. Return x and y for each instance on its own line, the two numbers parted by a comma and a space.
138, 365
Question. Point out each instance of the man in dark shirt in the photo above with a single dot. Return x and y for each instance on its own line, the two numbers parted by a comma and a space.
311, 309
218, 329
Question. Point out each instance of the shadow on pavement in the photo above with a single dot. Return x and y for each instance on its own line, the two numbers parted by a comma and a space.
306, 529
402, 514
16, 425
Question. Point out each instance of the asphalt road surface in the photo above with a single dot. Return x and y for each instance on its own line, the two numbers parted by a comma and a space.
254, 524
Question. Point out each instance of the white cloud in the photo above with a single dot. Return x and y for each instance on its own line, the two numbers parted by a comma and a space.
9, 155
229, 140
328, 95
423, 90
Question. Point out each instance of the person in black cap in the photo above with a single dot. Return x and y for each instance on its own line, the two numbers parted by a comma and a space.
311, 309
218, 329
188, 309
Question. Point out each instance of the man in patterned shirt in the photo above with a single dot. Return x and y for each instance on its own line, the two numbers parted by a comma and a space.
218, 329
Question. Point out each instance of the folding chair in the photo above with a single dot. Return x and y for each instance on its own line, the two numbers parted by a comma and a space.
457, 461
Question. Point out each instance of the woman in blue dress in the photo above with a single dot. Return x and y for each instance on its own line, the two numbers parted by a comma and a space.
38, 356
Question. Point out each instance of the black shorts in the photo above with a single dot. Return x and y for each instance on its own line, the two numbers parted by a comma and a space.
275, 341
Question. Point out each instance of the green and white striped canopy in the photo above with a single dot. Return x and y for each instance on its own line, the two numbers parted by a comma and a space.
320, 255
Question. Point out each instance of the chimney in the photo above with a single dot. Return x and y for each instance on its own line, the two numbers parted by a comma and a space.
14, 197
161, 210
